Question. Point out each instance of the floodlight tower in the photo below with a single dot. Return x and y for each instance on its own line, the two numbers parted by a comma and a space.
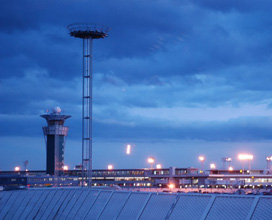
87, 32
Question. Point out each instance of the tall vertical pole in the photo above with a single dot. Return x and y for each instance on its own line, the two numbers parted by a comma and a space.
87, 112
91, 113
83, 141
87, 32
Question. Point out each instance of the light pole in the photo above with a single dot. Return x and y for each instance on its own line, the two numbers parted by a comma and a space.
87, 32
226, 159
202, 159
25, 164
212, 166
151, 160
269, 159
244, 157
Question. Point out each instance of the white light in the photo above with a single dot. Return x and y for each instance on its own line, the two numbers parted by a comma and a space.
212, 166
245, 157
158, 166
65, 167
17, 168
110, 167
128, 149
230, 168
201, 158
151, 160
269, 158
171, 186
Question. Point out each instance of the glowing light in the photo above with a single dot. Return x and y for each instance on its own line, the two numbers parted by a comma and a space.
230, 168
158, 166
171, 186
128, 149
212, 166
17, 168
65, 167
245, 157
201, 158
151, 160
228, 159
110, 167
269, 158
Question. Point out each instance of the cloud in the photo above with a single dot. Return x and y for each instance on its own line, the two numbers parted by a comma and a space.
169, 70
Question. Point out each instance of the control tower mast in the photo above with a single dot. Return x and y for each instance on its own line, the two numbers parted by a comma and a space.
87, 32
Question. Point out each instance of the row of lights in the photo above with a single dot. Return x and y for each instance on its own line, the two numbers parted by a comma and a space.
150, 160
65, 167
242, 157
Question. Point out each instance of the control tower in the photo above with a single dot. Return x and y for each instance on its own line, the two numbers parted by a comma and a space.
54, 135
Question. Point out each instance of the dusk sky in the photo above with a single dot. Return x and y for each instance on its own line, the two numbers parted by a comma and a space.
175, 78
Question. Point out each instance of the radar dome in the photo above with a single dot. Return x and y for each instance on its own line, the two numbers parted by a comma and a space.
57, 109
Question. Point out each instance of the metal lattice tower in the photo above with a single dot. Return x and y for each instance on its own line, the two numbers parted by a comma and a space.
87, 32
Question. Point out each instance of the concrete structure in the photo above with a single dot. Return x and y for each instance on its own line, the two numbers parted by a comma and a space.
87, 32
78, 203
55, 134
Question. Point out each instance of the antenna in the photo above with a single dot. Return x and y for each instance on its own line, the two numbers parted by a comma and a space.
87, 32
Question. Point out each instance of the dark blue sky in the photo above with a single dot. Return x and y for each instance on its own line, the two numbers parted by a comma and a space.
175, 78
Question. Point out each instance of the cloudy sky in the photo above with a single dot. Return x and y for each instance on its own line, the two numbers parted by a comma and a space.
175, 78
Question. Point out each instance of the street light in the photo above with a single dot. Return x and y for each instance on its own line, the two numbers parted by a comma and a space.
244, 157
268, 159
158, 166
230, 168
151, 160
25, 164
110, 167
202, 159
65, 167
17, 168
212, 166
226, 159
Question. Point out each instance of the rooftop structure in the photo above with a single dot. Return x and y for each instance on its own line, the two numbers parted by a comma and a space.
99, 203
87, 32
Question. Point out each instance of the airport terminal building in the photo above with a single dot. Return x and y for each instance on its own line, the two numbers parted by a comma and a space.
143, 178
